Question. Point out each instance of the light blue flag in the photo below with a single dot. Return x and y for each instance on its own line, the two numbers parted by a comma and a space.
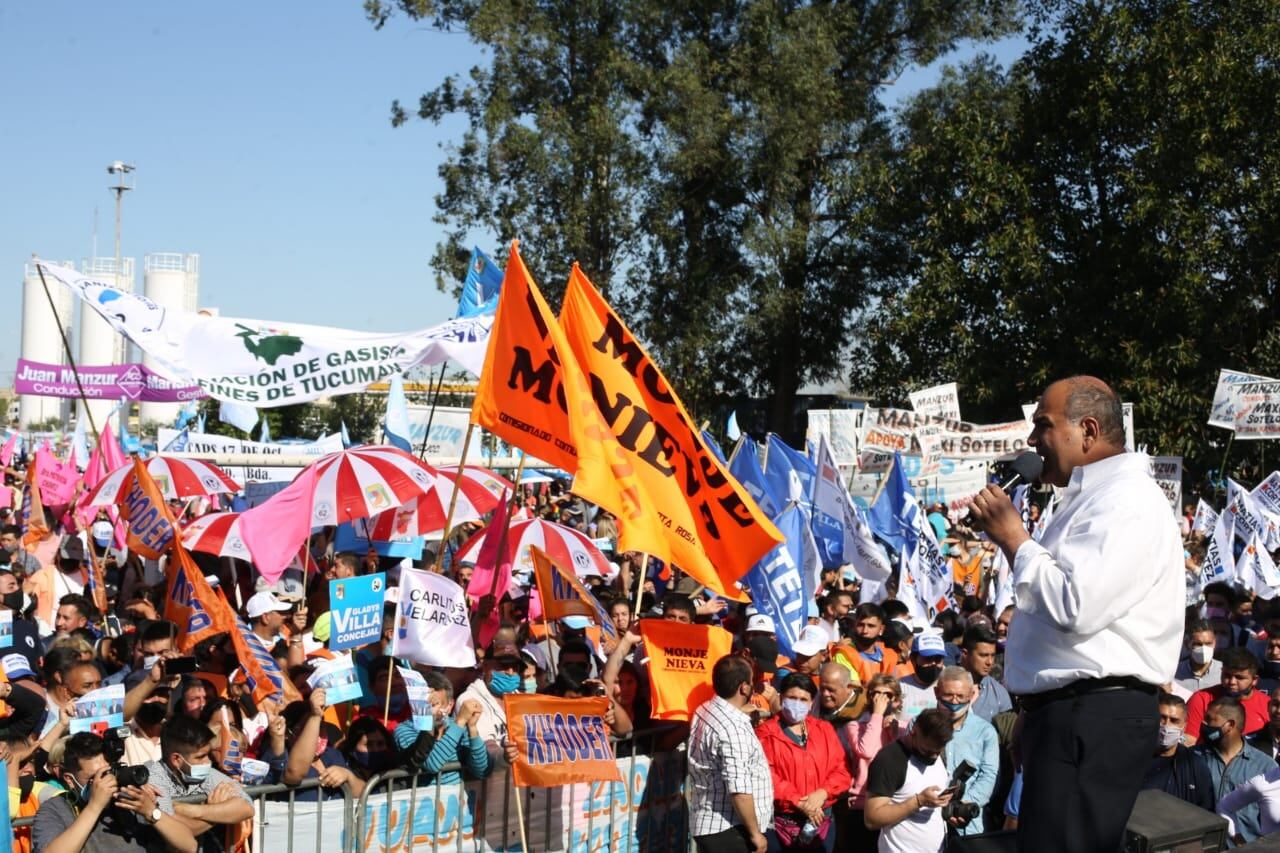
80, 443
395, 426
177, 444
481, 287
779, 584
789, 473
714, 446
265, 437
185, 414
731, 430
346, 436
200, 424
745, 468
128, 443
889, 516
241, 416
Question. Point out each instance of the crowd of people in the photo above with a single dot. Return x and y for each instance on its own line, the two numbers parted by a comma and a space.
877, 731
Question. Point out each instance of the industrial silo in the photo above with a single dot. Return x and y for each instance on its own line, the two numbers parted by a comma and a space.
99, 343
41, 340
171, 279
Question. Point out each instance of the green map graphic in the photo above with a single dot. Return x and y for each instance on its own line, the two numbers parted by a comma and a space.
269, 348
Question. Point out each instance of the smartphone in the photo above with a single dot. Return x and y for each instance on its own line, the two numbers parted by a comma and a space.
179, 666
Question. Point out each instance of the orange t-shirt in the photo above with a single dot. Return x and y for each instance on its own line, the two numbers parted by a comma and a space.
680, 660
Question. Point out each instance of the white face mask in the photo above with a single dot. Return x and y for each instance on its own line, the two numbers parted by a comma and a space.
1169, 735
1201, 655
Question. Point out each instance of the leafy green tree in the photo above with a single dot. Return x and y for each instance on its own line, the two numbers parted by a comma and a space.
1108, 205
712, 155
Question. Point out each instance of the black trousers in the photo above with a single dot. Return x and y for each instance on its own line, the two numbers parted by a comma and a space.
732, 840
1084, 758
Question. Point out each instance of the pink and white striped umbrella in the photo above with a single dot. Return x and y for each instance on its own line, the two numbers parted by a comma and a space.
564, 544
216, 533
479, 493
177, 478
364, 481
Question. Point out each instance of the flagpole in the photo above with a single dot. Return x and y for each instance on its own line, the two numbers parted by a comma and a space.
1222, 469
733, 454
764, 463
66, 346
524, 844
453, 500
883, 482
391, 670
96, 568
431, 415
644, 570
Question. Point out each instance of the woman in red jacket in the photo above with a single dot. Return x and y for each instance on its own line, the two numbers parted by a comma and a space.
808, 767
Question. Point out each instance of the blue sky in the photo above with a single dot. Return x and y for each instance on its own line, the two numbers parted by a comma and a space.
262, 142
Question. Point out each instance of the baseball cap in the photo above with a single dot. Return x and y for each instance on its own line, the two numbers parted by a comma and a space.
289, 589
760, 622
504, 653
102, 533
17, 666
812, 640
264, 602
535, 655
929, 645
764, 651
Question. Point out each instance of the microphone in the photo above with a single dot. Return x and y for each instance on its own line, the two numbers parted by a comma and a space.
1026, 469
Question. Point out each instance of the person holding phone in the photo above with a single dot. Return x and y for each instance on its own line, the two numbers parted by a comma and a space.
908, 787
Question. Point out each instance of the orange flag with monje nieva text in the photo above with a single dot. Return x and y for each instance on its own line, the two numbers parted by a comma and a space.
559, 741
681, 656
679, 502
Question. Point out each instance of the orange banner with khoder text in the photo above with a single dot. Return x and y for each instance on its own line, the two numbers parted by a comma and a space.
559, 741
681, 657
679, 503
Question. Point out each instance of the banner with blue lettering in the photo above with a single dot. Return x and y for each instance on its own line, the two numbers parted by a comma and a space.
779, 583
355, 611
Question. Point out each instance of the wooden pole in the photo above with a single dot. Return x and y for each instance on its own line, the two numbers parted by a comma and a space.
431, 415
644, 571
524, 842
438, 567
733, 454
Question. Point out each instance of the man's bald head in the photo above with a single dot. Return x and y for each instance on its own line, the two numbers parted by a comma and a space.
1078, 421
1090, 397
837, 672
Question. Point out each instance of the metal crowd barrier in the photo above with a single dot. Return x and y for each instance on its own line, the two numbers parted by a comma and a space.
545, 809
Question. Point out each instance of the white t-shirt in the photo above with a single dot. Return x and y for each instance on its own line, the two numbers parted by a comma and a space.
899, 775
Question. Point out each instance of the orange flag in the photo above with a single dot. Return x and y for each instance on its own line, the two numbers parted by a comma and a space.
151, 527
521, 396
680, 660
562, 594
191, 603
559, 741
33, 519
678, 501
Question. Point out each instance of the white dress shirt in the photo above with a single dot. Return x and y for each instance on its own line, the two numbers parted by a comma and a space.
1101, 594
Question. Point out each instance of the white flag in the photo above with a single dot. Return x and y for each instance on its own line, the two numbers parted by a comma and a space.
1205, 518
267, 363
240, 416
1257, 570
1219, 559
432, 625
80, 444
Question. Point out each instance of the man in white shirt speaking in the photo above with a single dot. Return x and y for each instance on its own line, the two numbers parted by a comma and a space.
1098, 625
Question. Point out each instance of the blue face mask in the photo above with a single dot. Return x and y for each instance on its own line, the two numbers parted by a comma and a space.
502, 683
954, 708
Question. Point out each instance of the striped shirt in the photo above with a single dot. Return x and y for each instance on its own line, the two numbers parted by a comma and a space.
725, 758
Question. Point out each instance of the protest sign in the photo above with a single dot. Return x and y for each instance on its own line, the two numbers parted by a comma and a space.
646, 456
959, 439
559, 741
99, 710
928, 439
101, 382
680, 660
432, 623
1205, 518
955, 484
6, 629
1266, 495
941, 400
1222, 412
266, 363
57, 478
562, 594
448, 430
337, 678
182, 442
253, 771
1167, 472
878, 444
358, 536
419, 699
842, 427
355, 610
1257, 409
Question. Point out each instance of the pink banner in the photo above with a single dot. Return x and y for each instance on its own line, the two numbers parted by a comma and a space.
57, 479
106, 382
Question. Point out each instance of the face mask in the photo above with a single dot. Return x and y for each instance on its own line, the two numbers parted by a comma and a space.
795, 710
502, 683
14, 600
12, 547
196, 773
1169, 735
1201, 655
1215, 612
1210, 734
378, 760
928, 674
956, 709
1235, 694
83, 791
531, 685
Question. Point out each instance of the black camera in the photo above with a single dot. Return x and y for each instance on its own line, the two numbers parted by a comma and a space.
113, 752
964, 811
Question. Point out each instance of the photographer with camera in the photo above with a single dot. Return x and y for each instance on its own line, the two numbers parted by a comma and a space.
185, 770
106, 808
975, 744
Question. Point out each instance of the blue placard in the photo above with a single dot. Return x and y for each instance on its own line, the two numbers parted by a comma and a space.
355, 611
351, 538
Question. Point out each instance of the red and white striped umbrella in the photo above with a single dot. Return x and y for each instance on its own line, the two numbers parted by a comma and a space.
479, 493
364, 481
564, 544
177, 478
216, 533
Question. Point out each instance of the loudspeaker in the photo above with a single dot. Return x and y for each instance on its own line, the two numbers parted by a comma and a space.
1161, 822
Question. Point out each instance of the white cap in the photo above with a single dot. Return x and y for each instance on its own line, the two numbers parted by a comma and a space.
813, 639
264, 602
289, 589
760, 622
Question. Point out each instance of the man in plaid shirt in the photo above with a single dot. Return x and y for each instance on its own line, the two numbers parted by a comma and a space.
732, 800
